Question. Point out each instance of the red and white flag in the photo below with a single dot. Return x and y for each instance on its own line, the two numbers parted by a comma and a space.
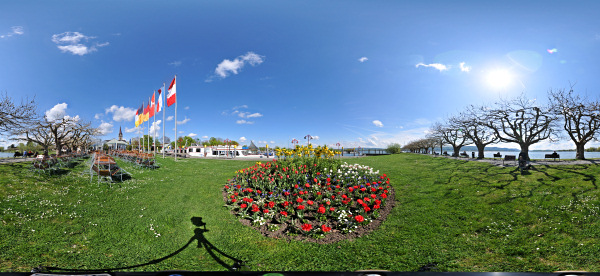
171, 96
152, 106
159, 105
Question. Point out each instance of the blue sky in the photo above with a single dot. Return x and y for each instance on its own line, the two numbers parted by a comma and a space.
361, 73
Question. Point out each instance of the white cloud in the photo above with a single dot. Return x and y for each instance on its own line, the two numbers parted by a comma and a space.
175, 63
205, 137
121, 113
378, 123
315, 137
181, 132
184, 121
464, 67
227, 67
242, 122
170, 118
56, 112
438, 66
105, 128
243, 139
192, 135
98, 116
272, 142
248, 114
15, 30
186, 108
76, 43
155, 128
131, 130
363, 59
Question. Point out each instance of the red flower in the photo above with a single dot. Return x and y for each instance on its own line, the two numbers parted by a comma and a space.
244, 205
284, 213
331, 209
367, 209
296, 186
234, 200
300, 207
383, 196
299, 200
325, 228
307, 185
285, 204
271, 204
265, 211
310, 202
286, 193
306, 227
321, 210
376, 207
315, 180
239, 186
363, 189
351, 189
359, 218
360, 201
373, 196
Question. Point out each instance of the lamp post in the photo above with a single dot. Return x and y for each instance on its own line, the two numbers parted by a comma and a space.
308, 137
294, 142
338, 145
227, 142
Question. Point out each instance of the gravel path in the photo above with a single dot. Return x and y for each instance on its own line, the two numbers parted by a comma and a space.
14, 160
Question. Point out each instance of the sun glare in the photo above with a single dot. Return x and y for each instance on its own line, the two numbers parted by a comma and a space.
499, 78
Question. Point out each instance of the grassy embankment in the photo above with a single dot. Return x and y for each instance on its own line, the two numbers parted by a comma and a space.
453, 215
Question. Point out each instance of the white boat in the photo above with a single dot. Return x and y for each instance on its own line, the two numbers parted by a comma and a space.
220, 151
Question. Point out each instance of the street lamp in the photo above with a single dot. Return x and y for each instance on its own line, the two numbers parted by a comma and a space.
227, 142
308, 137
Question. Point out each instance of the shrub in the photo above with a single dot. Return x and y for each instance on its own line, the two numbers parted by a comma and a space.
394, 148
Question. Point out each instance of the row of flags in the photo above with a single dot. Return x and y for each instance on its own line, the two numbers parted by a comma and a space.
143, 114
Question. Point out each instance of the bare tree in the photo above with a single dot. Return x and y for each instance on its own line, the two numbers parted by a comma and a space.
521, 121
81, 135
38, 134
15, 117
472, 123
451, 135
581, 117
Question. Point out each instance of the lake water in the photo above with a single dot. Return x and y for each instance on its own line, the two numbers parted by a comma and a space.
6, 154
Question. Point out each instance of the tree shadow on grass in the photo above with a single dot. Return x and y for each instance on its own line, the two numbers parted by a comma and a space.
198, 236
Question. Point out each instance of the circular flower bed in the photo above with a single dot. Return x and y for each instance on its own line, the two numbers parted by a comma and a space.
321, 199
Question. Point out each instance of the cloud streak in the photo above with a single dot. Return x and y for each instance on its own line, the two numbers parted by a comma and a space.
15, 30
228, 67
76, 43
438, 66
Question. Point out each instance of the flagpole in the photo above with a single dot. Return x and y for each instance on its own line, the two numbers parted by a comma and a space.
148, 131
176, 121
164, 100
154, 123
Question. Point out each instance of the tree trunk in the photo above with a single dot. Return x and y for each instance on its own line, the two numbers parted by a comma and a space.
480, 148
579, 155
525, 150
456, 151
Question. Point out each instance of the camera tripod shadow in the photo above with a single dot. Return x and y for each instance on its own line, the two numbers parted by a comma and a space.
198, 236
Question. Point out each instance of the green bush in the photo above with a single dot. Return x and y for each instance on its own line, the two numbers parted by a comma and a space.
394, 148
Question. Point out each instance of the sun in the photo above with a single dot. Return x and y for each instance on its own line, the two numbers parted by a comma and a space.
499, 78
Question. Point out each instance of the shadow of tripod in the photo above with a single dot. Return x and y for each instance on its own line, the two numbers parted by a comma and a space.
211, 249
198, 235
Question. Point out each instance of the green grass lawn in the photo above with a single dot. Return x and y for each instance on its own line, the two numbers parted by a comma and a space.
451, 215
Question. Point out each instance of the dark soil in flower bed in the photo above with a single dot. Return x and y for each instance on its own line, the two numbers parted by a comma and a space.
333, 236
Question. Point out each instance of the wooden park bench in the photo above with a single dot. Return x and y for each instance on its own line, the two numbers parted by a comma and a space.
509, 158
464, 154
553, 155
